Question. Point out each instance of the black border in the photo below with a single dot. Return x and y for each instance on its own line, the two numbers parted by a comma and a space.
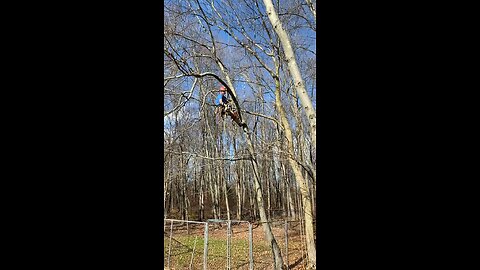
88, 134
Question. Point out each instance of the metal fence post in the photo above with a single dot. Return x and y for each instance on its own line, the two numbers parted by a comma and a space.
250, 240
229, 244
286, 242
205, 247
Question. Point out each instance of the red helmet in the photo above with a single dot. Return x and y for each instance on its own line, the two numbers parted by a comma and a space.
222, 89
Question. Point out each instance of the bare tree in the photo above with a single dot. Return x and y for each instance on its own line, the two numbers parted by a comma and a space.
181, 61
293, 67
267, 158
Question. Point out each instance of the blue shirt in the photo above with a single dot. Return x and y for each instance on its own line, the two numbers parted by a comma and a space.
222, 97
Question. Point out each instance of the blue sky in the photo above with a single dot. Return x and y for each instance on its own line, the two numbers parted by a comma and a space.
243, 90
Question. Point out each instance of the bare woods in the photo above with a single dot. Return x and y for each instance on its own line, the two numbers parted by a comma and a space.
265, 55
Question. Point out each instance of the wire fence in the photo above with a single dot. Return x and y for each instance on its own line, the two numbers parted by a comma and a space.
290, 237
231, 244
185, 244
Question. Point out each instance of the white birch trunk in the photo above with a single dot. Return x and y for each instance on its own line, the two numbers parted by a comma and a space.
293, 68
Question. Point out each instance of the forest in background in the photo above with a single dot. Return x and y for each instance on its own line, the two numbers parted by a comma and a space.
264, 52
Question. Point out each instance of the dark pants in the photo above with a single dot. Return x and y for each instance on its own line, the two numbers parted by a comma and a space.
219, 112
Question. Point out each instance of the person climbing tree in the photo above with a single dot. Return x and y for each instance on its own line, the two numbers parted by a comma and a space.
226, 106
221, 103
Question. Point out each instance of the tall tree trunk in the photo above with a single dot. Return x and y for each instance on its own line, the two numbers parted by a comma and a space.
277, 255
251, 198
276, 166
227, 206
184, 202
291, 203
303, 149
238, 187
269, 194
165, 188
201, 199
307, 203
238, 183
313, 191
216, 186
170, 197
210, 179
293, 68
244, 193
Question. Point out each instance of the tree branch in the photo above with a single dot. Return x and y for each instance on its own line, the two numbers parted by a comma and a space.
186, 99
209, 158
